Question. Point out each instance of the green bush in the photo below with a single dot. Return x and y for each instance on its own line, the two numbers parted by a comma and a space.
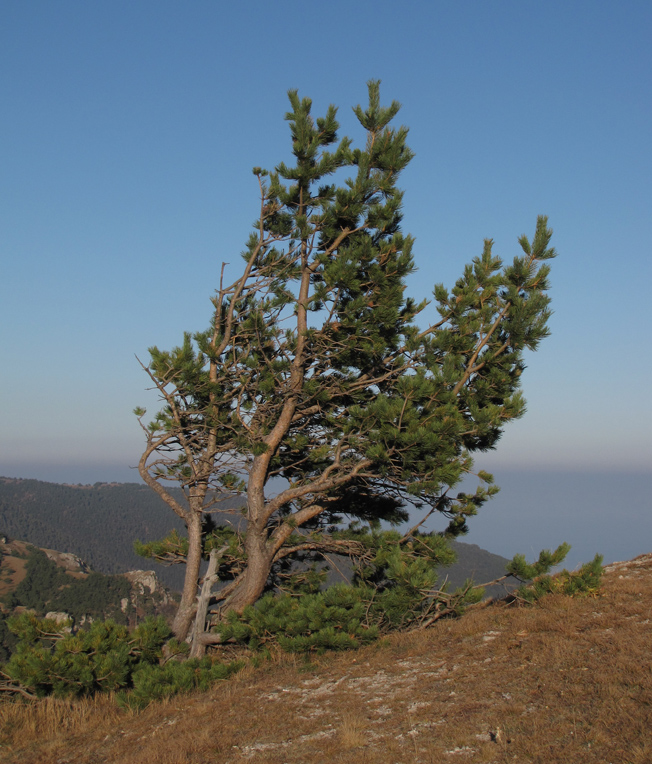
48, 661
154, 682
105, 657
395, 589
585, 581
330, 620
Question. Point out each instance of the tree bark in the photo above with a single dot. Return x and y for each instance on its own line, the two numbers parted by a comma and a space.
259, 565
187, 607
198, 648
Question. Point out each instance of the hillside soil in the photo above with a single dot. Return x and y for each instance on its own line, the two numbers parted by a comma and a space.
567, 680
13, 572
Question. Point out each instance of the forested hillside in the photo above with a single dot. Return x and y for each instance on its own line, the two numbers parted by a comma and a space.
47, 581
100, 522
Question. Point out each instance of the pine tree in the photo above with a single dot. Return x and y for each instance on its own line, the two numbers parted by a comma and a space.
314, 371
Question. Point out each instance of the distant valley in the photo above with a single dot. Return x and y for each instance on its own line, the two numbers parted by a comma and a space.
100, 522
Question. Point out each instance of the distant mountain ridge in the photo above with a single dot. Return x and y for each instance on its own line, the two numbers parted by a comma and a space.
100, 522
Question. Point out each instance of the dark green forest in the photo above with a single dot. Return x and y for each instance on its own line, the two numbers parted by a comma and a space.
100, 522
47, 587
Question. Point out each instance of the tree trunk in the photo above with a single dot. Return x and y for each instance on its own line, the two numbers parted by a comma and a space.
187, 607
254, 578
198, 647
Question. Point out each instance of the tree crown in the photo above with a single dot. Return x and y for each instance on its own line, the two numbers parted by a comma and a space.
314, 370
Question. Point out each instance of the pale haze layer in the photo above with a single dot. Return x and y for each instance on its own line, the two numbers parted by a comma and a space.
126, 150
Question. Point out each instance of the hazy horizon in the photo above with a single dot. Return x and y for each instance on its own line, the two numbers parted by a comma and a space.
596, 511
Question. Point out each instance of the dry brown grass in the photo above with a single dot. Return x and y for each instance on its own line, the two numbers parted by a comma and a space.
567, 681
353, 732
12, 570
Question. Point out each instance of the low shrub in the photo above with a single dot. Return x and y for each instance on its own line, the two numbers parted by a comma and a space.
585, 581
106, 657
155, 682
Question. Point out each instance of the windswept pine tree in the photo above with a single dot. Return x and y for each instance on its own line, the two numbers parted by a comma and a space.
315, 375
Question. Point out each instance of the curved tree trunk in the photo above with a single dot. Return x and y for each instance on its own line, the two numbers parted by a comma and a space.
254, 577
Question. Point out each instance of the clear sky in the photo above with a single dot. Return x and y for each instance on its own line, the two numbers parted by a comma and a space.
127, 138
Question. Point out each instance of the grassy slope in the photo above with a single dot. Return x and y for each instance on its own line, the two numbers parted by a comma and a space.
568, 681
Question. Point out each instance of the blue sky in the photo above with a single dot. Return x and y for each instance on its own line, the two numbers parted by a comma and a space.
129, 132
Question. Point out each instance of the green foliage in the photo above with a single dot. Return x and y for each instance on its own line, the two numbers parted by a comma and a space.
342, 617
48, 660
173, 548
402, 574
583, 582
170, 549
394, 589
152, 682
335, 619
519, 568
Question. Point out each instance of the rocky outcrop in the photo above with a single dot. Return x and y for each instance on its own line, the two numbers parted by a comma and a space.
69, 562
148, 596
145, 581
61, 619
